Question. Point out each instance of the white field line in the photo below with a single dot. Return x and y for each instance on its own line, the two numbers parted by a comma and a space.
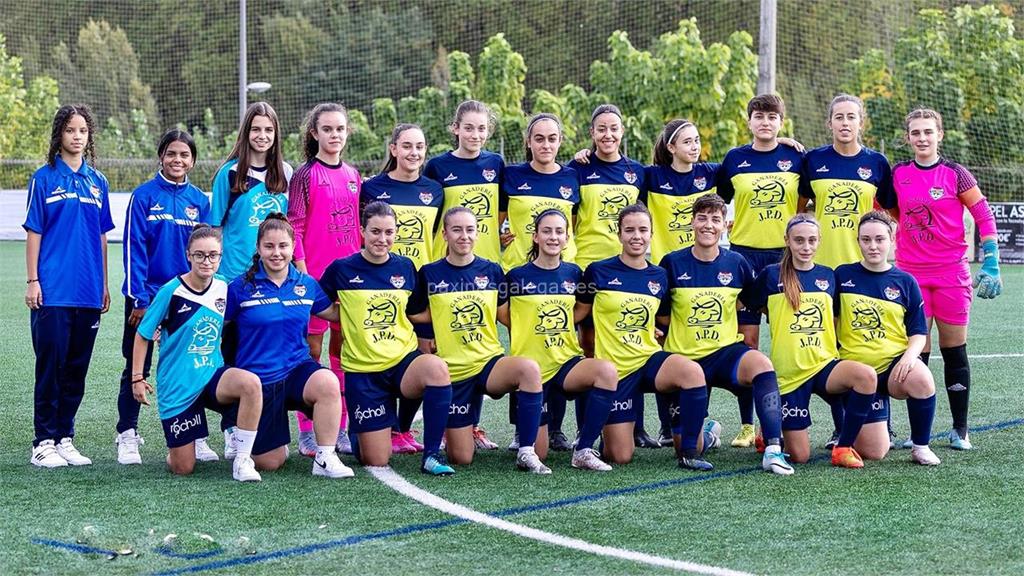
396, 482
982, 356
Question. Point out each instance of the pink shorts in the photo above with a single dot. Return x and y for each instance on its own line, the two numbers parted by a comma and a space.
947, 296
319, 326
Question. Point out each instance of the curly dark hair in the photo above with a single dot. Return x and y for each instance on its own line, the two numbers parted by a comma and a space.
60, 122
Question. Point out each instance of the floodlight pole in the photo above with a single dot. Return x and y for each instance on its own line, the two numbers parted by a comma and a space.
243, 81
766, 48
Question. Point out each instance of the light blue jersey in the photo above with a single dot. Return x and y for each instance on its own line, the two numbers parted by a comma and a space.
190, 326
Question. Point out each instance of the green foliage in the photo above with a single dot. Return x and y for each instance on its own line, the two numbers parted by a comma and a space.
25, 112
979, 97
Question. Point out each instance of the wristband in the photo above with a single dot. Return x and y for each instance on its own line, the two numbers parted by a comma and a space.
32, 280
139, 380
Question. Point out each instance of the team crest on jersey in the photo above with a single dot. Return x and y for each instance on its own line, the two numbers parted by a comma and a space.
565, 191
300, 290
426, 197
936, 193
724, 278
700, 183
94, 191
489, 175
552, 318
822, 284
220, 304
569, 286
864, 172
481, 282
654, 287
809, 320
191, 212
352, 187
784, 165
630, 177
398, 281
892, 293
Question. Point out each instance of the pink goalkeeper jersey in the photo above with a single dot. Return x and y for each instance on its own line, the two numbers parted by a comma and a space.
323, 207
931, 233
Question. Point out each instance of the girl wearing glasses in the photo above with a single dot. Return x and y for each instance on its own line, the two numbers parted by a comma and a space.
161, 215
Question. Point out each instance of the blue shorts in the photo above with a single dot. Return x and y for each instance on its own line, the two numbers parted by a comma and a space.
424, 331
720, 371
759, 259
190, 424
278, 398
639, 381
468, 397
370, 396
795, 405
556, 385
880, 405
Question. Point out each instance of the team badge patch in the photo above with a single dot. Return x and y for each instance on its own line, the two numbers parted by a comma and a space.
654, 287
426, 197
864, 172
569, 286
481, 282
892, 293
565, 191
94, 191
489, 175
725, 278
398, 281
700, 183
300, 290
220, 304
191, 212
821, 284
352, 187
630, 177
784, 165
936, 193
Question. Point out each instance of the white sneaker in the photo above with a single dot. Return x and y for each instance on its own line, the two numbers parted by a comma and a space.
230, 451
529, 461
774, 461
243, 469
589, 459
328, 464
128, 447
68, 452
46, 456
204, 453
924, 456
307, 444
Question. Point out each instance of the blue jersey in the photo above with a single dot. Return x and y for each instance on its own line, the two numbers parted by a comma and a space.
161, 215
702, 300
71, 210
190, 325
877, 313
764, 187
670, 195
525, 193
843, 189
240, 215
417, 207
473, 184
272, 321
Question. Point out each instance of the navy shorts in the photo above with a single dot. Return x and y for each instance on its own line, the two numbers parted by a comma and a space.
720, 371
556, 385
796, 414
759, 259
880, 405
370, 396
639, 381
190, 424
468, 397
279, 398
424, 331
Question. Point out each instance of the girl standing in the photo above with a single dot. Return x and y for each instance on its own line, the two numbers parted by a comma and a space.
323, 208
67, 206
161, 216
